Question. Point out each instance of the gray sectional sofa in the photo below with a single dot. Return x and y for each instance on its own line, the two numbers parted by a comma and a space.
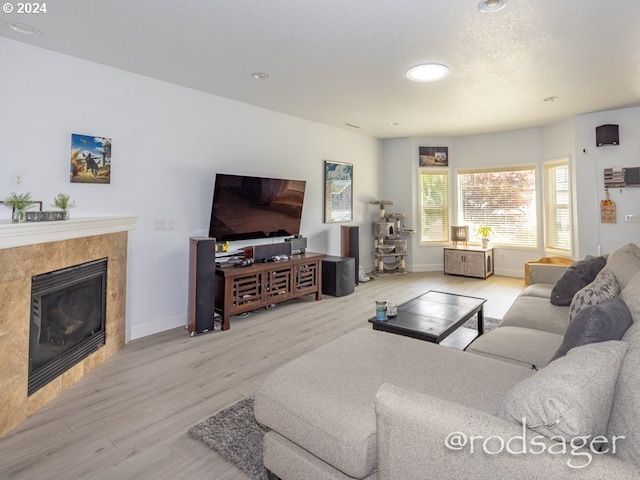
551, 393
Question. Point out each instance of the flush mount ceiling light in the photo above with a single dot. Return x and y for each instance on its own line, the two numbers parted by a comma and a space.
428, 72
23, 28
260, 76
491, 5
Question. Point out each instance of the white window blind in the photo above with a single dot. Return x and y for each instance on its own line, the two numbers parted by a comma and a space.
504, 199
557, 207
434, 206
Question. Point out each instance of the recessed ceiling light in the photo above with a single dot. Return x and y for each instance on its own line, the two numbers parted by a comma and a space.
260, 76
23, 28
550, 99
428, 72
491, 5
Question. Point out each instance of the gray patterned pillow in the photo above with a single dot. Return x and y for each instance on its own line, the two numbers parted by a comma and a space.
603, 287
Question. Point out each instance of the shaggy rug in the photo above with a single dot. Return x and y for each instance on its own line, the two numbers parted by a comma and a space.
235, 434
489, 323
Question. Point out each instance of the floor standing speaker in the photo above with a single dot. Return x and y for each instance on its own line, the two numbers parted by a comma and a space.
202, 275
351, 246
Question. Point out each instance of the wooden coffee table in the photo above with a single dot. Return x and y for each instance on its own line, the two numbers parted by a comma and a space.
434, 316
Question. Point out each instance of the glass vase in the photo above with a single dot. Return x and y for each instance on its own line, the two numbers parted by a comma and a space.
18, 216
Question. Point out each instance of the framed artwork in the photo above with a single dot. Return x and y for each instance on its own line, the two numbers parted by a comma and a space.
434, 156
90, 159
338, 192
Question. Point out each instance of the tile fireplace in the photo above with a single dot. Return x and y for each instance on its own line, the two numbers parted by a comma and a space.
28, 254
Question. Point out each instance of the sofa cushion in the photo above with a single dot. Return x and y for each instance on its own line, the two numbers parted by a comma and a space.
323, 401
540, 290
603, 287
523, 346
570, 397
625, 413
605, 321
536, 313
577, 276
631, 296
624, 263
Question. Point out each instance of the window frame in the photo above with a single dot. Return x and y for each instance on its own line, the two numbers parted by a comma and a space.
549, 211
533, 238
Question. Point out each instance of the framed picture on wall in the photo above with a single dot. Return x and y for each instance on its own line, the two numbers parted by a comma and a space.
433, 156
90, 159
338, 192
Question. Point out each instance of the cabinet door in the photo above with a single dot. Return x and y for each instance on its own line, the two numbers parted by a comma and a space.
277, 283
245, 290
306, 277
474, 264
453, 262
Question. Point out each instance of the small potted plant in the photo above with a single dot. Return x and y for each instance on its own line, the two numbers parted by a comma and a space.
19, 203
485, 231
64, 203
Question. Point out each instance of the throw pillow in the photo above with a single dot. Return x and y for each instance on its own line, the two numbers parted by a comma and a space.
603, 287
570, 397
624, 263
605, 321
631, 296
577, 276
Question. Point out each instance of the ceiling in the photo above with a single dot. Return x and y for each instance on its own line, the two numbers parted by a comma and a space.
339, 62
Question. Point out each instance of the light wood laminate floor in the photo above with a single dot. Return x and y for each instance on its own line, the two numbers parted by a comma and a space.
128, 419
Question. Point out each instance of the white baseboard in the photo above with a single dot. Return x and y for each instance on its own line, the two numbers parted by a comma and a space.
510, 272
426, 268
503, 272
146, 329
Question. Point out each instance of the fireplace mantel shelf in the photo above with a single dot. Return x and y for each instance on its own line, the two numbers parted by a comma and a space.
20, 234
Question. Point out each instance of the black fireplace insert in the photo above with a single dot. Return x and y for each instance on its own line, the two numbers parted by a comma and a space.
68, 310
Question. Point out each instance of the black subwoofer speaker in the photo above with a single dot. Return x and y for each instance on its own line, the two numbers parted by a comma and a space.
351, 247
338, 276
202, 277
607, 135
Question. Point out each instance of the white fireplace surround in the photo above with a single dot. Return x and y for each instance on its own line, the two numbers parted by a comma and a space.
20, 234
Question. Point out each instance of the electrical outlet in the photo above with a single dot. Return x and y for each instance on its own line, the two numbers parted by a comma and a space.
17, 179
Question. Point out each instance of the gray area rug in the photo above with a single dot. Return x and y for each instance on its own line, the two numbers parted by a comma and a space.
489, 323
235, 434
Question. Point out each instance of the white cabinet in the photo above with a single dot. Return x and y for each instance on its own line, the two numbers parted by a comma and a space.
469, 261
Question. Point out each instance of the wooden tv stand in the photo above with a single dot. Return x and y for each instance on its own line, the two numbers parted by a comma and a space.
242, 289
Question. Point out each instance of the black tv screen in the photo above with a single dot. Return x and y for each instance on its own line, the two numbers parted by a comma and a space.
247, 208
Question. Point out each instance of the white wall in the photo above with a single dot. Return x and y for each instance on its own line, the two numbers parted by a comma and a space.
400, 175
566, 138
168, 143
596, 237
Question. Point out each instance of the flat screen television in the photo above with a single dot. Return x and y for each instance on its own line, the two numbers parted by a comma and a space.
246, 208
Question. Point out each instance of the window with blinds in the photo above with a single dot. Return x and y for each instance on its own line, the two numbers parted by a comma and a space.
504, 199
557, 207
434, 206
